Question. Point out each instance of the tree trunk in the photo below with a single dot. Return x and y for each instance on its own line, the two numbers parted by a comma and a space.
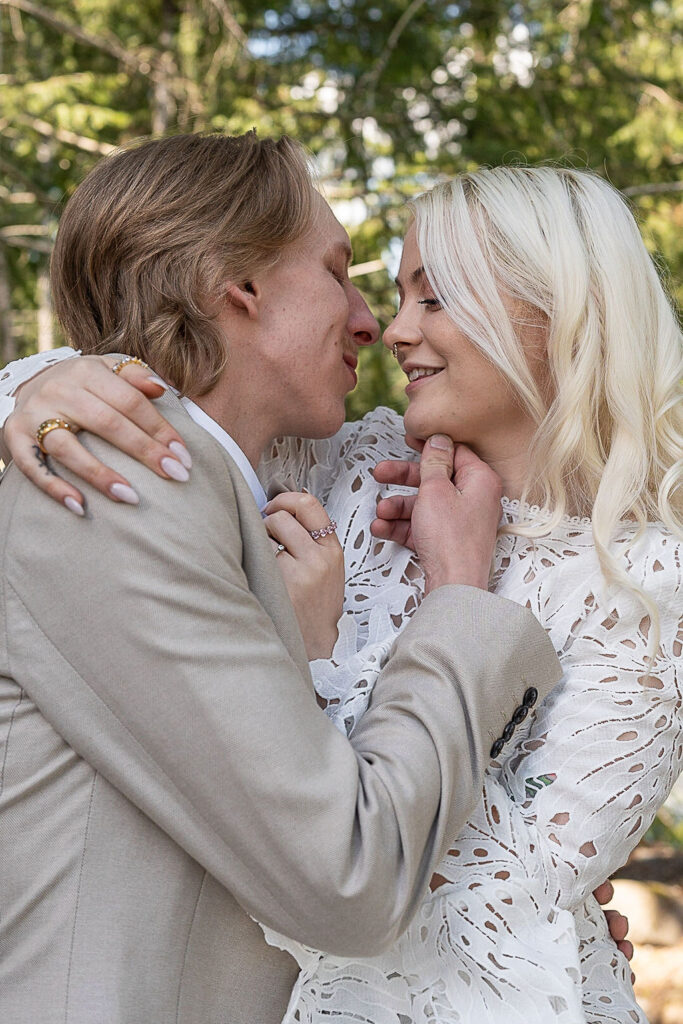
163, 102
8, 346
46, 339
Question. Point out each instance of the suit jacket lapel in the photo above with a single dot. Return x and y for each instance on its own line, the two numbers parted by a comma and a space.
265, 579
258, 561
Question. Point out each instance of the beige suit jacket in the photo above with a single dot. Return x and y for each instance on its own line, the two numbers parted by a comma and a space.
166, 771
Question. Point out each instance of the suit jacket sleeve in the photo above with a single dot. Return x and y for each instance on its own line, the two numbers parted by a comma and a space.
136, 634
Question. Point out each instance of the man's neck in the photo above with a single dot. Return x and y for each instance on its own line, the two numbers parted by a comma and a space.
244, 427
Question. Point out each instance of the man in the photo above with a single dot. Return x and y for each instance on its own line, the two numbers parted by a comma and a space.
166, 769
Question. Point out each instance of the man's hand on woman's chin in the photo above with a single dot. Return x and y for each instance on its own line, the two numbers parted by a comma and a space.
452, 521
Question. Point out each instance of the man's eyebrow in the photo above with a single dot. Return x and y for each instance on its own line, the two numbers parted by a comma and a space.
342, 248
416, 276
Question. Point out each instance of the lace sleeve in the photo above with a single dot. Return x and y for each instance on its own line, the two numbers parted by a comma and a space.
606, 747
17, 373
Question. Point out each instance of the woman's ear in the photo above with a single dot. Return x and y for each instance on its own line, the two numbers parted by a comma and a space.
244, 297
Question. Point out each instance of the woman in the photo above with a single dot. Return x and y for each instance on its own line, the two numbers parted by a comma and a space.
532, 327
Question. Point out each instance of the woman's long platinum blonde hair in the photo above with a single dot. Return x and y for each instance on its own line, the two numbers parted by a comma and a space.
507, 247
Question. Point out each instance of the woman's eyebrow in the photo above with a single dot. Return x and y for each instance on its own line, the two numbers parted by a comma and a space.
416, 276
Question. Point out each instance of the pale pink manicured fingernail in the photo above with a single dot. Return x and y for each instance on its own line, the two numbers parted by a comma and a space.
159, 381
74, 506
124, 493
440, 441
174, 469
181, 453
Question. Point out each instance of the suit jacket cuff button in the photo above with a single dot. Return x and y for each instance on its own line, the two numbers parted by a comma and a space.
520, 714
508, 731
496, 748
530, 697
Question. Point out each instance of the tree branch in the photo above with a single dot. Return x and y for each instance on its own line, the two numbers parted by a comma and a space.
15, 172
361, 269
14, 230
88, 145
110, 45
35, 244
370, 79
653, 189
231, 24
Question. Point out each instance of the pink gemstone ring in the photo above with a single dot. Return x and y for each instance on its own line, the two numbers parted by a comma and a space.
326, 530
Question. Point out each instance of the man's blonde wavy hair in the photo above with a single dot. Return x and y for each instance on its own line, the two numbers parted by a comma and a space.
150, 238
563, 245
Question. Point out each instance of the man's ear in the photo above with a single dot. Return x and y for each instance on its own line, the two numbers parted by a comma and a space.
244, 297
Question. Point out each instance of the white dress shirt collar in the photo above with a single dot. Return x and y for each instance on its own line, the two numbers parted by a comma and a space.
202, 419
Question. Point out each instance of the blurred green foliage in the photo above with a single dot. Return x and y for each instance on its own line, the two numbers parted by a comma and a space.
388, 97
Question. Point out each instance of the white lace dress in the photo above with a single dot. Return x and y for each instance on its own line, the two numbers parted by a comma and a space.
509, 931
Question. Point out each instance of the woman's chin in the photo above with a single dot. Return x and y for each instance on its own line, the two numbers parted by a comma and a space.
420, 426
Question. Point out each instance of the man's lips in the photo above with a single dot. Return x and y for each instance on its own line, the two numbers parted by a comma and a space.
352, 362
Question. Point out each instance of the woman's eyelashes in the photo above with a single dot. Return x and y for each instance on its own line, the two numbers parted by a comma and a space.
430, 303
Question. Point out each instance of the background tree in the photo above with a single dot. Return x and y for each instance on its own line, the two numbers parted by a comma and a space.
388, 97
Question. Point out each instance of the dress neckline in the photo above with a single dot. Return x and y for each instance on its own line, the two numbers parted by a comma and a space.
514, 509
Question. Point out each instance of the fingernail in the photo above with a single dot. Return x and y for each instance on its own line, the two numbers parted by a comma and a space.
74, 506
124, 493
174, 469
181, 453
159, 381
440, 441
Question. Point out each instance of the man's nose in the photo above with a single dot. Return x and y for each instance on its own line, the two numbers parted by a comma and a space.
363, 327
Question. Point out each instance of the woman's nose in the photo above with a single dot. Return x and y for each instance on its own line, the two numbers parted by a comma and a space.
401, 331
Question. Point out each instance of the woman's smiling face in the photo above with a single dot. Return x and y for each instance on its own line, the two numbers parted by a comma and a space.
453, 388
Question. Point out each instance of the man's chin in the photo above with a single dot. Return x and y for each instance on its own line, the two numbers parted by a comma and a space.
320, 427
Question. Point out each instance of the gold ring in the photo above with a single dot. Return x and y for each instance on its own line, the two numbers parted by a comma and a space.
117, 367
47, 425
279, 549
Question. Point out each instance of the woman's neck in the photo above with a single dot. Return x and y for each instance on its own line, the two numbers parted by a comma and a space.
508, 454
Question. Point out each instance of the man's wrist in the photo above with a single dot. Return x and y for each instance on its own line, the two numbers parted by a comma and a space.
460, 577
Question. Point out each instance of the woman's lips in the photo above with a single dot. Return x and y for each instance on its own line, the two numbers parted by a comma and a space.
412, 384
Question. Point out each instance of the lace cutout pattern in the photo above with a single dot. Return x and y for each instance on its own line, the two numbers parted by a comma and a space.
509, 930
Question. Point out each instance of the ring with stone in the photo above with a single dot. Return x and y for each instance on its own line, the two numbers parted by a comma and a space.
54, 424
117, 367
326, 530
279, 549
